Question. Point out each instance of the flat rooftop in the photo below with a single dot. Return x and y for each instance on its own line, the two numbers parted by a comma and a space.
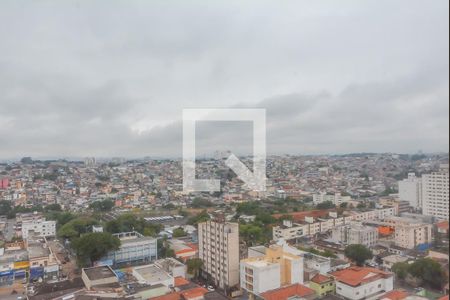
152, 273
100, 272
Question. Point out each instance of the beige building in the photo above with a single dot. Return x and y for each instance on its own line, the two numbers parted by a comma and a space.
275, 269
435, 191
219, 250
409, 233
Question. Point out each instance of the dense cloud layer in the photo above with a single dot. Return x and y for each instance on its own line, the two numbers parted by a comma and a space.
111, 78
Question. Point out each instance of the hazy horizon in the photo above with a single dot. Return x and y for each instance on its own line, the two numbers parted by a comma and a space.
90, 79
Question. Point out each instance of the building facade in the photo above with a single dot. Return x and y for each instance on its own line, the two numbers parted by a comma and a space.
355, 234
275, 269
134, 248
357, 283
218, 244
410, 189
435, 191
41, 227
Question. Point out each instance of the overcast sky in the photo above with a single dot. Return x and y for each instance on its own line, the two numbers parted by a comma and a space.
111, 78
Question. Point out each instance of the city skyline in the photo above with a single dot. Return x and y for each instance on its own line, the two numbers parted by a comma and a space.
113, 81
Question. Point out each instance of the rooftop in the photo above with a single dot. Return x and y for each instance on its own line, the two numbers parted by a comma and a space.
152, 273
287, 292
99, 272
355, 276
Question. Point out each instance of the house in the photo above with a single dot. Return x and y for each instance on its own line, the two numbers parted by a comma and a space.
361, 282
322, 285
290, 292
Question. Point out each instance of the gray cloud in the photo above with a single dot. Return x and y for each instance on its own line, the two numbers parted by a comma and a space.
111, 79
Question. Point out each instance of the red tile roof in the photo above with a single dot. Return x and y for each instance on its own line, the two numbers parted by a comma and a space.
179, 281
171, 296
395, 295
319, 278
194, 293
288, 291
442, 225
444, 298
355, 276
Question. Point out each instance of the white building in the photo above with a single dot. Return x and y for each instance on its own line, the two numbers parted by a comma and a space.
355, 234
218, 248
357, 283
435, 190
410, 189
275, 269
336, 198
310, 226
41, 227
134, 248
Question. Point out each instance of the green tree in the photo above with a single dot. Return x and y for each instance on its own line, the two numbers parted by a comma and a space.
102, 206
401, 269
429, 270
325, 205
251, 234
92, 246
194, 266
358, 253
53, 207
179, 232
201, 203
199, 218
74, 228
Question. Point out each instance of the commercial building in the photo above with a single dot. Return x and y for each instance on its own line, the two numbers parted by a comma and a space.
219, 251
357, 283
435, 187
355, 234
134, 248
43, 263
99, 276
273, 270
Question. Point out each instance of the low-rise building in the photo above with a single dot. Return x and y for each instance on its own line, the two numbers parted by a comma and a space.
355, 234
291, 292
99, 276
390, 260
134, 248
275, 269
322, 285
357, 283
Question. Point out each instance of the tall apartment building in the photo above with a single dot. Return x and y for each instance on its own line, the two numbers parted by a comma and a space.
355, 234
275, 269
410, 233
435, 190
410, 189
219, 250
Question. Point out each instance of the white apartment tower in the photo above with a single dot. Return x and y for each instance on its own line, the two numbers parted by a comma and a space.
410, 189
435, 192
219, 250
